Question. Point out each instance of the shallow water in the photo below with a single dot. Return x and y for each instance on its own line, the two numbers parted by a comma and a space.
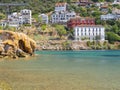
64, 70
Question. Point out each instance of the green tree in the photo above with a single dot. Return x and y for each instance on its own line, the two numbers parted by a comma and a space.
43, 27
115, 29
112, 37
2, 16
61, 30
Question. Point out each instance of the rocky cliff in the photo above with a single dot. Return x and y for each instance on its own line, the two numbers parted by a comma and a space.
14, 44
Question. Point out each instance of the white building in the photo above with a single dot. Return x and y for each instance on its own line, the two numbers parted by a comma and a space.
108, 17
15, 19
62, 17
44, 18
3, 23
27, 16
89, 32
116, 11
60, 7
116, 2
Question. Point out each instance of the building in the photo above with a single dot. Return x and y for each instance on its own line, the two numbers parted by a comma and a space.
85, 2
76, 2
89, 32
15, 19
108, 17
43, 18
116, 2
3, 23
116, 11
62, 17
60, 7
27, 16
80, 21
104, 8
61, 14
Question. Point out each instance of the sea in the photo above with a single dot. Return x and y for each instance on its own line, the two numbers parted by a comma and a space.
63, 70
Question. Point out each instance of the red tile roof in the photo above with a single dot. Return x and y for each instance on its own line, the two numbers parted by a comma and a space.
60, 4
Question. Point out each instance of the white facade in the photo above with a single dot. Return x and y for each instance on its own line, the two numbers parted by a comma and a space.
108, 17
15, 19
116, 2
92, 32
3, 23
62, 17
27, 16
60, 7
116, 11
44, 18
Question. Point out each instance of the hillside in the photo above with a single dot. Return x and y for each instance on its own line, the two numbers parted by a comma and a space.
37, 6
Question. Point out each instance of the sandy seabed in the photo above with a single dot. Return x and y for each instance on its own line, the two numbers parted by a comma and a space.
46, 80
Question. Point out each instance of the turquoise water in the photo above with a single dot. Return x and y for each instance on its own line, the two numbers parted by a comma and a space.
64, 70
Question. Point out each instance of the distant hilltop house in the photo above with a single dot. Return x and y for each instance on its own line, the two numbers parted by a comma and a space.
61, 14
104, 8
108, 17
60, 7
82, 2
43, 18
3, 23
116, 2
27, 16
62, 17
115, 15
85, 2
17, 19
85, 29
116, 11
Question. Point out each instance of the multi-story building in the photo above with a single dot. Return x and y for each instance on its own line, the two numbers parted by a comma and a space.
62, 17
89, 32
27, 16
116, 2
108, 17
3, 23
60, 7
80, 21
43, 18
116, 11
15, 19
104, 8
85, 2
61, 14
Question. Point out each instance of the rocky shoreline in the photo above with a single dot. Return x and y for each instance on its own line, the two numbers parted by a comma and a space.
14, 45
75, 45
63, 45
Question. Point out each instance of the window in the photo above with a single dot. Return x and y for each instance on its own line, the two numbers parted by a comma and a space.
81, 33
78, 30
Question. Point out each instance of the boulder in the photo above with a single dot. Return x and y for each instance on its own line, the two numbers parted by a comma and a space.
14, 43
